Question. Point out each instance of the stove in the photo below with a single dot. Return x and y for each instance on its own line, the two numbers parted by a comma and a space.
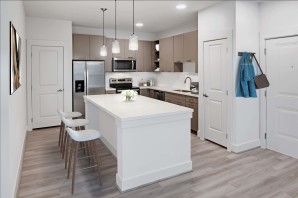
123, 84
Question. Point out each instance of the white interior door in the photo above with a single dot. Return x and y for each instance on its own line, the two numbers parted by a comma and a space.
282, 95
215, 90
47, 85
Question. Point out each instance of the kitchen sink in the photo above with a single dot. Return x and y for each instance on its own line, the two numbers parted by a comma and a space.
183, 90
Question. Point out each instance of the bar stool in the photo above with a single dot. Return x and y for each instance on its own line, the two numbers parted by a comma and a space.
62, 128
88, 137
78, 124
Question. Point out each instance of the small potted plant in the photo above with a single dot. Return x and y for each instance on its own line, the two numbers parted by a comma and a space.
129, 94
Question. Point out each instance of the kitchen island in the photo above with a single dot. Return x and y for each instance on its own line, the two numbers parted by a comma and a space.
149, 138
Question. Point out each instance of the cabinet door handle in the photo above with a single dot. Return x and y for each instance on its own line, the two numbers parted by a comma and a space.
60, 90
205, 95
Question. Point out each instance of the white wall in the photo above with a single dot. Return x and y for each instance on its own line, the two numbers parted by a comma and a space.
48, 30
217, 18
246, 110
111, 33
13, 107
278, 17
179, 29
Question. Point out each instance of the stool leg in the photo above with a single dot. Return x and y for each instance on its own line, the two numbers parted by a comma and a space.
87, 150
92, 161
60, 133
64, 144
62, 137
66, 150
97, 161
74, 167
70, 158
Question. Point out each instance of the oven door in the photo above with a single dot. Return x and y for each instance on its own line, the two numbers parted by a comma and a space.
122, 65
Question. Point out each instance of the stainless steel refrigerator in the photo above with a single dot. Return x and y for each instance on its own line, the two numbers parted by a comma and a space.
88, 78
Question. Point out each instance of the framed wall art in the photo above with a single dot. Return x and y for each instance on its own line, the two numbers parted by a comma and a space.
15, 56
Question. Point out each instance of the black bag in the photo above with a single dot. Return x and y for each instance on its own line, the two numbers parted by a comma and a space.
261, 81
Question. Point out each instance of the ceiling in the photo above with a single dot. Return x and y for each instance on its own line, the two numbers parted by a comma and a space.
157, 16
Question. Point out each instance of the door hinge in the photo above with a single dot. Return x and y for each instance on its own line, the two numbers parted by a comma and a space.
265, 93
265, 136
32, 120
227, 92
265, 51
226, 136
227, 50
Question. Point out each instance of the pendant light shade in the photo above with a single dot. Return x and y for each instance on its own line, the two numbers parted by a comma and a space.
133, 39
103, 48
116, 47
115, 44
133, 42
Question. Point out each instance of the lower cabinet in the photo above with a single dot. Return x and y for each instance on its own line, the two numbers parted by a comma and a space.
145, 92
186, 101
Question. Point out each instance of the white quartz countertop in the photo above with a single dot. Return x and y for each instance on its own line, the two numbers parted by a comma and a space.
142, 107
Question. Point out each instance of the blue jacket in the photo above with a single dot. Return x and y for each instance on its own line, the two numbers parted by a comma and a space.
246, 85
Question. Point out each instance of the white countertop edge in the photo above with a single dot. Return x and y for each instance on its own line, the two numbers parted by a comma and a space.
187, 110
166, 89
170, 90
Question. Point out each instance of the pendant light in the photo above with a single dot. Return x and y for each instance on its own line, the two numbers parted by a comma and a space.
133, 39
103, 48
115, 44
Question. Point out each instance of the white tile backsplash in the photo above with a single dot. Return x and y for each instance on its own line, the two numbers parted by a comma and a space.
162, 79
136, 76
175, 79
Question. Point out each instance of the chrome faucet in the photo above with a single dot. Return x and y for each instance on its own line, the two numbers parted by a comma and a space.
190, 82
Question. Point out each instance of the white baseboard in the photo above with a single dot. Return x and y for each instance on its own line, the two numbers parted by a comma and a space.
245, 146
17, 186
151, 177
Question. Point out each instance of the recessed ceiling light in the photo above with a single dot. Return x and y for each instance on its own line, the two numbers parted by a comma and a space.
139, 24
180, 6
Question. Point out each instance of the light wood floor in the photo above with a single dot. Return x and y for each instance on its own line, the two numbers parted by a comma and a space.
216, 174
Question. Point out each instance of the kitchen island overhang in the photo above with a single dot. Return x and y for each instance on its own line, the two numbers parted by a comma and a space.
149, 138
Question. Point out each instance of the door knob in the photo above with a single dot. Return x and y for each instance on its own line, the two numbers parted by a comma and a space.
205, 95
60, 90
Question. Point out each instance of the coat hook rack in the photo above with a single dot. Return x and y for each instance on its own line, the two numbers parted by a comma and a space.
250, 53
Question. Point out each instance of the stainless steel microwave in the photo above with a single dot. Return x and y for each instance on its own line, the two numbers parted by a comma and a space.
124, 65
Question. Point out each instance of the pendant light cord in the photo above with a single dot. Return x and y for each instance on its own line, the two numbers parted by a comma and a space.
115, 21
103, 22
133, 16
